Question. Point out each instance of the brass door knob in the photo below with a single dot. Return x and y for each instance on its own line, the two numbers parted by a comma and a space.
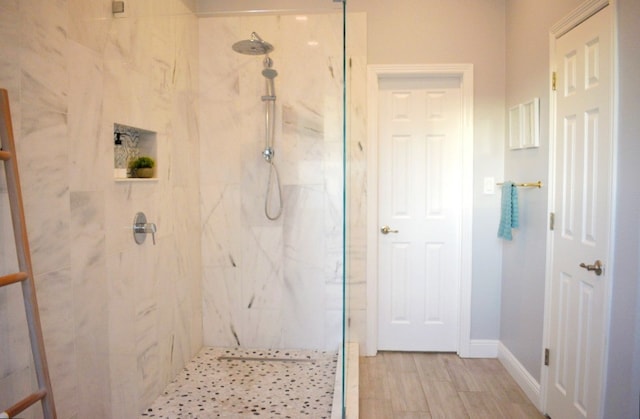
596, 267
387, 230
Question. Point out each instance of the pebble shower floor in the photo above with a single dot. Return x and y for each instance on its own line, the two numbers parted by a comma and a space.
242, 383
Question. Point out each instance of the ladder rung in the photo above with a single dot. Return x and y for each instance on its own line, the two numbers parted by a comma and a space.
12, 278
25, 403
5, 155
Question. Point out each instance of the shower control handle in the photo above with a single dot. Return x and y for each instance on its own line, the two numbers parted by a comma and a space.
141, 228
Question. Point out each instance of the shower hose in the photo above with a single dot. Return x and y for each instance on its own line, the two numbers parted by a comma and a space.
273, 177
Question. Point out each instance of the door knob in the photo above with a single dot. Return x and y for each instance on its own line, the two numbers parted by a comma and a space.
387, 230
596, 267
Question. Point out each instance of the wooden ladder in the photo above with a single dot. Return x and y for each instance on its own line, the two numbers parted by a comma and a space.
25, 276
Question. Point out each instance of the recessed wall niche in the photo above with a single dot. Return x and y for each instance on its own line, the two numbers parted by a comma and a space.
130, 143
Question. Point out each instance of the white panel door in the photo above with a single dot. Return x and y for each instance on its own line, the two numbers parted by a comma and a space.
420, 202
582, 212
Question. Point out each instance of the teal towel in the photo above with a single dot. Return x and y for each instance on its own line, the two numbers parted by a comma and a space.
509, 210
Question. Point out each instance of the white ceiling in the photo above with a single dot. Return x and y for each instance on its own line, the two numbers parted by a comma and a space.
265, 6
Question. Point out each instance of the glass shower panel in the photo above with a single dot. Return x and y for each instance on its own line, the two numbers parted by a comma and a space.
276, 284
282, 279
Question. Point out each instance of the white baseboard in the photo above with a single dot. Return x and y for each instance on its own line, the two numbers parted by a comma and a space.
528, 384
483, 348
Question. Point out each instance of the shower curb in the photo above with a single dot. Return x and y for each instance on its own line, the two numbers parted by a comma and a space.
352, 385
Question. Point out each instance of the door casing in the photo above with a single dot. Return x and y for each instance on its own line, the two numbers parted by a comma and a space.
374, 73
577, 16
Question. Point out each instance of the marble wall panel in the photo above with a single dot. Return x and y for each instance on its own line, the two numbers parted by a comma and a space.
16, 372
15, 366
15, 386
119, 319
221, 319
356, 126
88, 140
288, 263
125, 389
219, 208
90, 307
262, 253
147, 351
303, 320
89, 22
43, 39
56, 302
43, 153
10, 57
262, 328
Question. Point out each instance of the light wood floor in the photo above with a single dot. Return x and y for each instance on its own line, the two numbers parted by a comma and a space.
404, 385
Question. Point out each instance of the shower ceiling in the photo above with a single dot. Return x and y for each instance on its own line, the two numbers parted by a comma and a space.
207, 7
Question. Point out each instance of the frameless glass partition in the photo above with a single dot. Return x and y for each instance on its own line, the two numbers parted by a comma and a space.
274, 153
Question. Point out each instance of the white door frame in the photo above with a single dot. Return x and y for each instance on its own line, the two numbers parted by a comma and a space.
577, 16
374, 73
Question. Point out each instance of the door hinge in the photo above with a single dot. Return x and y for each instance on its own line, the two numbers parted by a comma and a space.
553, 81
546, 357
552, 221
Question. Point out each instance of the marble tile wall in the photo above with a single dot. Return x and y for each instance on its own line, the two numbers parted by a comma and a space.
276, 284
357, 144
119, 320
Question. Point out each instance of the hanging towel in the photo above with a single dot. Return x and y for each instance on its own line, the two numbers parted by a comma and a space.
508, 210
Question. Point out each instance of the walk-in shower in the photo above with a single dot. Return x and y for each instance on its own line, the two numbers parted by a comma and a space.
273, 285
257, 46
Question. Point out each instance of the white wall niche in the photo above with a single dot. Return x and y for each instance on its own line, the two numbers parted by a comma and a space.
129, 143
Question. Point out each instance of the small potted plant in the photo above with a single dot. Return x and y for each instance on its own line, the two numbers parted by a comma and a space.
142, 167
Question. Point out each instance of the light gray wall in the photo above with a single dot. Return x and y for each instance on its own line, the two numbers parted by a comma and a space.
623, 378
527, 54
524, 259
458, 31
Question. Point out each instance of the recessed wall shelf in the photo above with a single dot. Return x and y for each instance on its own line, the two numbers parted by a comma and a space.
129, 143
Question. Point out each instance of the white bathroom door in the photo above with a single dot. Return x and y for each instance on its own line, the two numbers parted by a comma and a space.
582, 199
419, 194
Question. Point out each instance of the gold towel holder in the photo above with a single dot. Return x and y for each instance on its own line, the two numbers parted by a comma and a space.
537, 184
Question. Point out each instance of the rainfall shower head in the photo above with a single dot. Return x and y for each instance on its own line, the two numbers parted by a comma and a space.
253, 46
